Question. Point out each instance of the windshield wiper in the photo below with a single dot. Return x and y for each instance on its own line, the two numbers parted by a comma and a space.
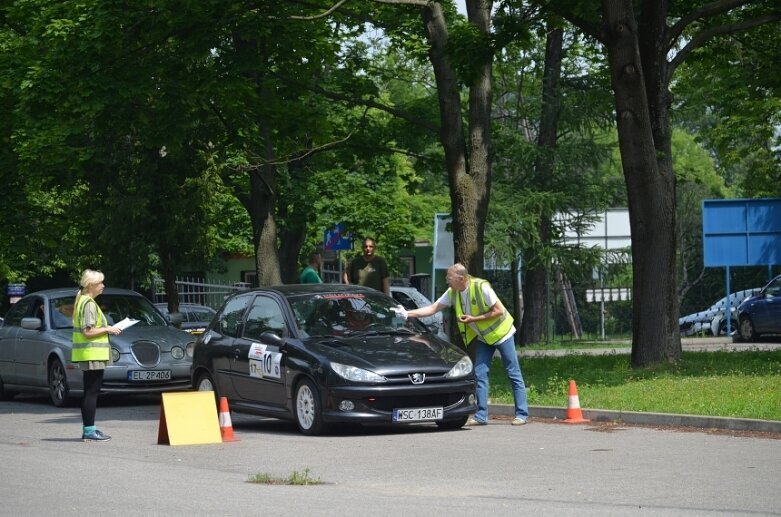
386, 332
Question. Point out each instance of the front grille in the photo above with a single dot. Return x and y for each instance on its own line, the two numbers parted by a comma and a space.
146, 353
406, 379
435, 400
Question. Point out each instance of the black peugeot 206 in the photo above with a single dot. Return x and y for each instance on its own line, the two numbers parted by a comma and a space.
329, 353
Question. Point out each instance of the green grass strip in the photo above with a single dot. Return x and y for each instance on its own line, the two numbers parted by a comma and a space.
727, 384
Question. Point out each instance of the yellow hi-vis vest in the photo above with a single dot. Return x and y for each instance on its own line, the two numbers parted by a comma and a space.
491, 330
84, 348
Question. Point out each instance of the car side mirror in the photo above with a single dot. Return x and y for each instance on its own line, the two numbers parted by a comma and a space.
176, 319
271, 338
32, 323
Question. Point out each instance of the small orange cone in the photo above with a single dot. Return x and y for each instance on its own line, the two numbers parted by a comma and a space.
574, 414
226, 426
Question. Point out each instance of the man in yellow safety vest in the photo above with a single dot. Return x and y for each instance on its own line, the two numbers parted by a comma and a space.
485, 324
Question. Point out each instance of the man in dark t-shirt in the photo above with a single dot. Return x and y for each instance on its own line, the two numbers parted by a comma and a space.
369, 269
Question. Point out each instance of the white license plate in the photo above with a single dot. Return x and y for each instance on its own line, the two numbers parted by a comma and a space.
148, 375
417, 414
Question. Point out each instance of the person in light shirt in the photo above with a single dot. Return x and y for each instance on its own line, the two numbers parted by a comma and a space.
485, 324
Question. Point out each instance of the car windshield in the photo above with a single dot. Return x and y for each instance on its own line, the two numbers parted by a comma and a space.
774, 287
115, 307
342, 314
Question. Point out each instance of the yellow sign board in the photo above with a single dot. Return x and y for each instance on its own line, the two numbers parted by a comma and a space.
188, 418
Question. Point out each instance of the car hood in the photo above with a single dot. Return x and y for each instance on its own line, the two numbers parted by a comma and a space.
165, 337
389, 354
751, 299
700, 316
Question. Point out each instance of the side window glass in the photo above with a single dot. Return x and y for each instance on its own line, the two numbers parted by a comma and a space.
407, 302
265, 315
230, 319
17, 312
38, 311
62, 312
201, 315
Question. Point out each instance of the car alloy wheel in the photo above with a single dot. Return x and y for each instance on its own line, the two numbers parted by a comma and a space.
723, 327
206, 383
58, 384
307, 409
747, 332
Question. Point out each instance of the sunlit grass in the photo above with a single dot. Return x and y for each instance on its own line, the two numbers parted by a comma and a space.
295, 478
729, 384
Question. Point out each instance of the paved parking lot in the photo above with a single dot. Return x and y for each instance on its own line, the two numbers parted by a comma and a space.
543, 468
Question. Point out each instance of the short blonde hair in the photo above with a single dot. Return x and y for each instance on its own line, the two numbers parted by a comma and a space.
90, 277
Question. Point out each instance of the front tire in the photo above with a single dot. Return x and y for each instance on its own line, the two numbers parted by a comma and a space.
747, 330
723, 328
307, 410
59, 391
4, 393
206, 383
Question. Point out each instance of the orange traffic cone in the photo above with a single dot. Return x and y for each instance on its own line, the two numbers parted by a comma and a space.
226, 426
574, 414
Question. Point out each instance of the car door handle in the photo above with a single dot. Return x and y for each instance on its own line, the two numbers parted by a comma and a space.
236, 353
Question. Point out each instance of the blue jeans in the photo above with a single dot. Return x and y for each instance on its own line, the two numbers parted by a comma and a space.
483, 355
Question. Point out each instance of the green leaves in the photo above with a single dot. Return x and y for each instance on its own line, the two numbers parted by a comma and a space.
469, 50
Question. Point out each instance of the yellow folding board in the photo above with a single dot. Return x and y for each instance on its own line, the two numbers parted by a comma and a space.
188, 419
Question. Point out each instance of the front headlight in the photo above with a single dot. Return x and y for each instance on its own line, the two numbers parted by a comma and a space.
355, 374
177, 353
189, 349
114, 355
462, 367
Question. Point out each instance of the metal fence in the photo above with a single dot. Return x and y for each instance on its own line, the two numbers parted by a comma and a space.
201, 291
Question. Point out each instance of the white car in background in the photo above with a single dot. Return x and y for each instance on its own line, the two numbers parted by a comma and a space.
410, 298
713, 321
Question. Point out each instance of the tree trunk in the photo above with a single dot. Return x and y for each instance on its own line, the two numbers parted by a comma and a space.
517, 302
535, 291
296, 217
169, 280
469, 176
535, 299
260, 206
644, 141
292, 236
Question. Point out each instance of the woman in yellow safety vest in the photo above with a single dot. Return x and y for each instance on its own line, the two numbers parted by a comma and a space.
486, 325
91, 350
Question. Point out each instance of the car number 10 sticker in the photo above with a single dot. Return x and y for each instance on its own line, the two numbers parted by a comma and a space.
263, 363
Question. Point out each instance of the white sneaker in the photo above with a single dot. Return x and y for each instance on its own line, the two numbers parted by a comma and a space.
518, 421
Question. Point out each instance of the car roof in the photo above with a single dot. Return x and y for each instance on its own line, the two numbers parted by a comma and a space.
182, 304
71, 291
310, 289
404, 289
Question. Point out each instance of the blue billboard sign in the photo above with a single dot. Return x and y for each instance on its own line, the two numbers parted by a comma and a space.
337, 239
741, 232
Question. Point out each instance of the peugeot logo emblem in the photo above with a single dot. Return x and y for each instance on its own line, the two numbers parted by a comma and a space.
417, 378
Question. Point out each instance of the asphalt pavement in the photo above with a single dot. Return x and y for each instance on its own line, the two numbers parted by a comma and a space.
542, 468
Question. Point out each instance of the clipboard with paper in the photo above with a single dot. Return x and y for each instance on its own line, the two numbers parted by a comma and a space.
125, 323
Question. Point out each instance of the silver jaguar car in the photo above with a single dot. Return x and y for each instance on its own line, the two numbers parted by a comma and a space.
35, 347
